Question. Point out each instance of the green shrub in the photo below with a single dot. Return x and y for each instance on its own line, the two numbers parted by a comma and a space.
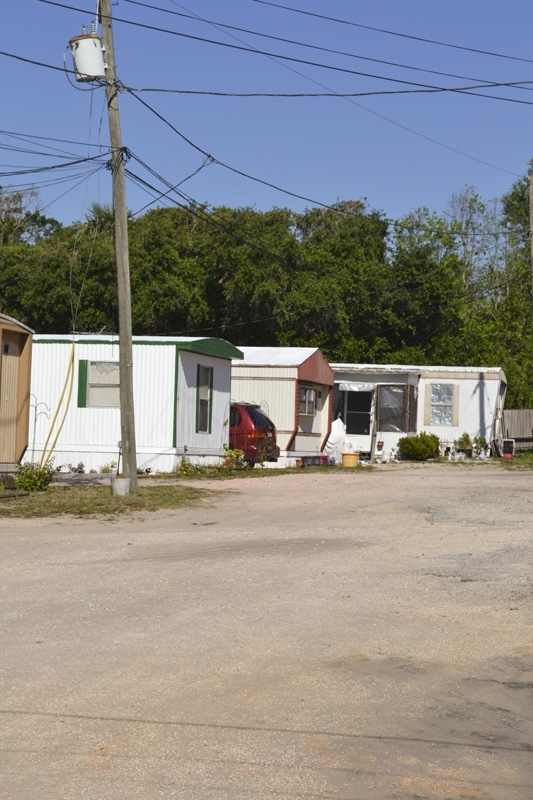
233, 460
187, 469
420, 447
464, 442
33, 478
481, 445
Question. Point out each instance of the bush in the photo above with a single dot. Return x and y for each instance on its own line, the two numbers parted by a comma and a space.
481, 445
464, 442
233, 460
420, 447
33, 478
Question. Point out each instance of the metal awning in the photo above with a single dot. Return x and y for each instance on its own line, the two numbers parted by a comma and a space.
356, 387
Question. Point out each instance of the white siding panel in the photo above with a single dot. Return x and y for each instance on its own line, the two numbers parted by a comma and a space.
477, 401
203, 443
242, 371
91, 435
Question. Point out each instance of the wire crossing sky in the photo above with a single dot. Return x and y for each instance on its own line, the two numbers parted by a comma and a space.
293, 104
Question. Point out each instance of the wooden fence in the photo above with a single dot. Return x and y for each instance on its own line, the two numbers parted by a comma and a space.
517, 424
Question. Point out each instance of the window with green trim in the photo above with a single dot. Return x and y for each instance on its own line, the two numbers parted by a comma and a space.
99, 384
204, 398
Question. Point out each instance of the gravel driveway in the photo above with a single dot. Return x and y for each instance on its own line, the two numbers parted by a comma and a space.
349, 635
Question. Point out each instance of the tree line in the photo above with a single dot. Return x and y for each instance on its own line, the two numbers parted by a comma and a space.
450, 289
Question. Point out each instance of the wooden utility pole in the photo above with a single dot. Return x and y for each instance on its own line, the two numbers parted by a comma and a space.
127, 417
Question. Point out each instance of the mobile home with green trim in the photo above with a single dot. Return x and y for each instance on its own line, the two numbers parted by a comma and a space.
181, 387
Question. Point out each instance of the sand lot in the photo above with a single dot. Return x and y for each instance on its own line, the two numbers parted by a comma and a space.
348, 635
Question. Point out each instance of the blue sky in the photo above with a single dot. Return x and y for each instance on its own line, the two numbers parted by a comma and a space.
400, 151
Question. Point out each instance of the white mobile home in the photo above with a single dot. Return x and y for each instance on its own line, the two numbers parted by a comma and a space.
293, 385
381, 403
181, 390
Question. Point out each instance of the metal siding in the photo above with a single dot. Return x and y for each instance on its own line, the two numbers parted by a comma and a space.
91, 434
306, 444
477, 401
255, 373
202, 443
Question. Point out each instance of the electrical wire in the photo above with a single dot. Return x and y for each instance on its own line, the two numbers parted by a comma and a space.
383, 92
256, 51
395, 33
221, 163
422, 88
31, 136
162, 195
221, 25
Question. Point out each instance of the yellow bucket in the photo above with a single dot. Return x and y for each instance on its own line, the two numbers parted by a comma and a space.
350, 459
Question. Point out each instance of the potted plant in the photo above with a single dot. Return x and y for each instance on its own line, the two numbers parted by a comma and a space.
464, 445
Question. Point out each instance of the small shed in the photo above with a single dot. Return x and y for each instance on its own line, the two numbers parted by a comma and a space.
293, 385
15, 369
181, 389
381, 403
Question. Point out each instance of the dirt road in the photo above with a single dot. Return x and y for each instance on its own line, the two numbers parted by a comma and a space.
352, 635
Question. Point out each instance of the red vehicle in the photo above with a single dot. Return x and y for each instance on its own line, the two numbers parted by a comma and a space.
251, 431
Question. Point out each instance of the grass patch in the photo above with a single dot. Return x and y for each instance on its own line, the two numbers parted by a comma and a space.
519, 461
90, 501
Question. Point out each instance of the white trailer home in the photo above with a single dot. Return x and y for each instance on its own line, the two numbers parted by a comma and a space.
379, 404
181, 390
293, 385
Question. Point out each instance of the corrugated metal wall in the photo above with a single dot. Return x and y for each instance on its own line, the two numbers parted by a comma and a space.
91, 435
198, 443
477, 402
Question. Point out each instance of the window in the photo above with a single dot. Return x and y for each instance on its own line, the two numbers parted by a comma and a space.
396, 408
308, 399
443, 403
99, 384
204, 396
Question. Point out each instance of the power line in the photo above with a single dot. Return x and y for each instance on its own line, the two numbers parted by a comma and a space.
302, 44
221, 163
36, 63
31, 136
52, 167
256, 51
458, 90
394, 33
423, 88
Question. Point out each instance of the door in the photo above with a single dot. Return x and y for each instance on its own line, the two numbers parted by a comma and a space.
359, 419
9, 373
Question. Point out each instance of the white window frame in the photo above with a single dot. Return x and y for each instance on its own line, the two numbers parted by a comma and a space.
308, 401
103, 384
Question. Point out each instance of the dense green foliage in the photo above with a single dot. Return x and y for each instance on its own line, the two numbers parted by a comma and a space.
34, 478
420, 447
443, 289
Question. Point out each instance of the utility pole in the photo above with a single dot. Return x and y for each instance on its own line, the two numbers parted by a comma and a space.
127, 417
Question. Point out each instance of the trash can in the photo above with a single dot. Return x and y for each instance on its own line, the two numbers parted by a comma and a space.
350, 459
